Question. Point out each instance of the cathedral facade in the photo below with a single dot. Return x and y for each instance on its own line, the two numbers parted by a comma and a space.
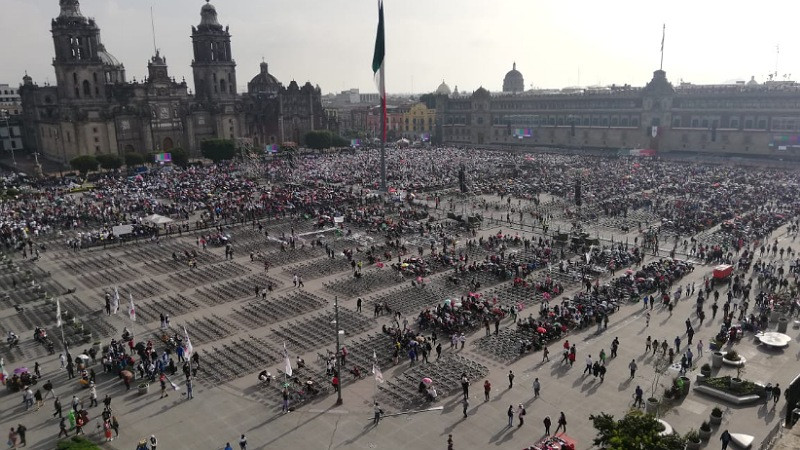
93, 109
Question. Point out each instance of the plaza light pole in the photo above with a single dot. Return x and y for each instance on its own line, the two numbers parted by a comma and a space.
338, 350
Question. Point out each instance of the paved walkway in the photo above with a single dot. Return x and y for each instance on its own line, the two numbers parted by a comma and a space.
220, 414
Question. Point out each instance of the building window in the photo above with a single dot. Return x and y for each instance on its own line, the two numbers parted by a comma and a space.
734, 123
96, 139
97, 149
676, 122
94, 130
635, 122
87, 89
762, 124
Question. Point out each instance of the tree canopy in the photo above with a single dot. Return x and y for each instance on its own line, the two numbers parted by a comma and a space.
634, 431
134, 159
109, 161
84, 164
321, 139
218, 149
179, 157
77, 443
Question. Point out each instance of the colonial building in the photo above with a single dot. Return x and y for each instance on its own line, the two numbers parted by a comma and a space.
94, 109
738, 119
276, 114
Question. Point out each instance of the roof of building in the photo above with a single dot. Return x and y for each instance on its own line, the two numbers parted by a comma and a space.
107, 58
443, 89
208, 17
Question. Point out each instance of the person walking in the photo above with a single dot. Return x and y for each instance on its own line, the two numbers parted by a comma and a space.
510, 414
48, 389
115, 425
358, 304
377, 411
700, 348
62, 428
647, 319
633, 368
510, 379
637, 397
92, 395
725, 437
153, 442
21, 429
465, 404
562, 422
536, 387
38, 397
189, 390
547, 424
776, 394
57, 406
588, 365
487, 388
12, 438
243, 443
521, 415
545, 354
449, 442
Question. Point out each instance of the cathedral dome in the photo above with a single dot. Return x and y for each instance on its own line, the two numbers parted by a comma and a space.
752, 81
513, 82
443, 89
107, 58
263, 82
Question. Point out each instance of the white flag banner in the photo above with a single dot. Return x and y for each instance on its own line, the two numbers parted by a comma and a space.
287, 362
375, 369
115, 306
132, 309
58, 312
188, 344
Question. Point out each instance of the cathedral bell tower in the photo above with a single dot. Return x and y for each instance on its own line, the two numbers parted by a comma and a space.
79, 69
213, 66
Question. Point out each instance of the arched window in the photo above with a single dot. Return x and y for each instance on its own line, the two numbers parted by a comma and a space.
87, 88
75, 78
168, 144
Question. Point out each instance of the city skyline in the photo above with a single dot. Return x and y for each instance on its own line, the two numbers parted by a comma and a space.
468, 47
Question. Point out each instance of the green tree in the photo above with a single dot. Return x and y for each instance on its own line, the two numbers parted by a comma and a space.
84, 164
218, 149
429, 100
109, 161
179, 157
318, 139
77, 443
133, 159
635, 431
321, 139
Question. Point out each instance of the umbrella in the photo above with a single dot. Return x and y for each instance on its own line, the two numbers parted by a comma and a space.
127, 374
628, 272
20, 370
427, 381
81, 356
541, 330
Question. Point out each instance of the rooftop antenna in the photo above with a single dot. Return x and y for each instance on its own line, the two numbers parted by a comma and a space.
153, 26
663, 35
777, 53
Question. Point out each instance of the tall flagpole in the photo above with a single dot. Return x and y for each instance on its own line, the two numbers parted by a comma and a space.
663, 34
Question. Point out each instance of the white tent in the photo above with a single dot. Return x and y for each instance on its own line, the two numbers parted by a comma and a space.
157, 219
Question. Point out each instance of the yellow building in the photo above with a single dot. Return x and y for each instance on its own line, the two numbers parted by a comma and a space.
419, 122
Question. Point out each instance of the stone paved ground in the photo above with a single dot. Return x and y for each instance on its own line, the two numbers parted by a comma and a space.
220, 412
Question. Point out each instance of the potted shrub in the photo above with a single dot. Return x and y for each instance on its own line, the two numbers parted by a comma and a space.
651, 407
705, 370
705, 431
716, 359
693, 440
716, 416
143, 387
783, 324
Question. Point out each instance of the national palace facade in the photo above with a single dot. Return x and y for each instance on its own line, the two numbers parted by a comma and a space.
743, 119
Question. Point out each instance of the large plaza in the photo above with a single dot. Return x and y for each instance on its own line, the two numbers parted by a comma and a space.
232, 283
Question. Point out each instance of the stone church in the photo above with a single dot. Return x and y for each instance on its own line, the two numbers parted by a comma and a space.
94, 109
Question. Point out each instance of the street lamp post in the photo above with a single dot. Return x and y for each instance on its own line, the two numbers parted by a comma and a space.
4, 114
338, 351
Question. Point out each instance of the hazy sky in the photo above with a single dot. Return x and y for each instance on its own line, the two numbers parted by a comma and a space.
469, 43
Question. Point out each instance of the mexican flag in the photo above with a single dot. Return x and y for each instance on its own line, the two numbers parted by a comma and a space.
378, 68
